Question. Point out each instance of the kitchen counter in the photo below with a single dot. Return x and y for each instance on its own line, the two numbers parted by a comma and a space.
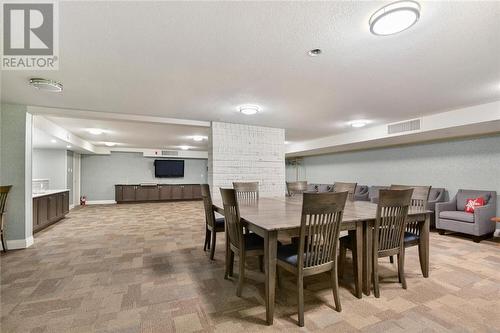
47, 192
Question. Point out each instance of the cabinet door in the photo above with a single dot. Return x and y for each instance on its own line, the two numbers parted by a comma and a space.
177, 192
52, 210
141, 193
128, 193
35, 214
196, 192
43, 211
153, 193
59, 197
65, 203
187, 192
165, 192
118, 193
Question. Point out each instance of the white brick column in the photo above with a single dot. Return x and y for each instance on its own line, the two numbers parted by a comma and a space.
247, 153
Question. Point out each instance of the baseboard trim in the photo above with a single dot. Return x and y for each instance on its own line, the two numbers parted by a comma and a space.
101, 202
16, 244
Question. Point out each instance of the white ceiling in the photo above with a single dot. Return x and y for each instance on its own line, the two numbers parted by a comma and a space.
44, 140
199, 60
127, 134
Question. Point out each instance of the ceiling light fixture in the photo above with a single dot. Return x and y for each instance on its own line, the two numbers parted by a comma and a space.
287, 142
314, 52
395, 17
46, 85
68, 146
358, 123
198, 138
184, 147
53, 141
249, 109
95, 131
110, 144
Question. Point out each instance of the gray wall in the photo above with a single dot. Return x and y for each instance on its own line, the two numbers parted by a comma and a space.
15, 170
50, 164
99, 173
465, 163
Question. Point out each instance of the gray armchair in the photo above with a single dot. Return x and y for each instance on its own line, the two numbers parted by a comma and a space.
373, 192
451, 216
435, 195
319, 187
361, 193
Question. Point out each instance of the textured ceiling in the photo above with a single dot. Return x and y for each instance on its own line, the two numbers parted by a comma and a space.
199, 60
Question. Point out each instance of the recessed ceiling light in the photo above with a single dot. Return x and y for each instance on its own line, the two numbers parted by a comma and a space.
184, 147
287, 142
198, 138
358, 123
68, 146
110, 144
46, 85
95, 131
394, 18
314, 52
249, 109
53, 141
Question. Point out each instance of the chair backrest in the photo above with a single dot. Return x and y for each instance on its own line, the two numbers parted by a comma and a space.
463, 195
320, 228
246, 190
392, 211
232, 219
296, 187
373, 191
435, 193
350, 188
4, 191
420, 195
207, 203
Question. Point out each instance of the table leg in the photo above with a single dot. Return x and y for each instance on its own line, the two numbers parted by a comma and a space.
423, 246
228, 252
358, 260
367, 250
270, 250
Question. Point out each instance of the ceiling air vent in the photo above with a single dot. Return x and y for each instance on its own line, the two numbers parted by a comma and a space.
404, 126
169, 152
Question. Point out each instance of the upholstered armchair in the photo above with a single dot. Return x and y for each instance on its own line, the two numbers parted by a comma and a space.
435, 195
373, 192
325, 188
361, 193
451, 215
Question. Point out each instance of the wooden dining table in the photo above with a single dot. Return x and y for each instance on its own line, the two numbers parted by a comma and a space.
269, 216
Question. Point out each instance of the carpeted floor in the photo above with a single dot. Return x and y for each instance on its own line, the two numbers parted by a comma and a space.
141, 268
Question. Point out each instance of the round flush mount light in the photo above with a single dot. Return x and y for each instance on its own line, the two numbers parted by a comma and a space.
358, 123
314, 52
249, 109
68, 146
53, 141
395, 17
46, 85
184, 147
287, 142
110, 144
198, 138
95, 131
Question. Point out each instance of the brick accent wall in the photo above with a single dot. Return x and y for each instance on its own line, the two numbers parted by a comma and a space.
247, 153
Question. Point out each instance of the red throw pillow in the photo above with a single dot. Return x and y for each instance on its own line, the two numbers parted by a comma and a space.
473, 203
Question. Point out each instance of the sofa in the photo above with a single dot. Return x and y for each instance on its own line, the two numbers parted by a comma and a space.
361, 193
451, 215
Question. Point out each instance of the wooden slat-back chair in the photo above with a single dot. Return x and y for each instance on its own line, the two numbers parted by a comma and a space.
388, 231
246, 191
318, 243
243, 244
212, 225
4, 191
350, 188
419, 201
298, 187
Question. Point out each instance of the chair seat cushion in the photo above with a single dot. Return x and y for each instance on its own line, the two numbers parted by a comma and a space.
289, 253
457, 216
253, 241
410, 237
219, 222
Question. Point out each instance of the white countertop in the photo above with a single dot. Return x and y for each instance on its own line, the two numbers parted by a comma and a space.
47, 192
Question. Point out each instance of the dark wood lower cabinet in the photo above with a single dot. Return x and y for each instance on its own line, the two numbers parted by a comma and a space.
49, 209
160, 192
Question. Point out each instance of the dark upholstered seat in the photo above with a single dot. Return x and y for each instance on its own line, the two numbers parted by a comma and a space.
289, 253
253, 241
411, 237
219, 223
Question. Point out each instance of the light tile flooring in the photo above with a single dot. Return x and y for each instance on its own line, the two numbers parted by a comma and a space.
141, 268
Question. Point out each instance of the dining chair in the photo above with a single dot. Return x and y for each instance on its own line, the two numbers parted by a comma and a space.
388, 233
350, 188
243, 244
212, 225
419, 201
4, 191
246, 190
318, 242
297, 187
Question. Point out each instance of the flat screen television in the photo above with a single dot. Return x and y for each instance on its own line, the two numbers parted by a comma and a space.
169, 168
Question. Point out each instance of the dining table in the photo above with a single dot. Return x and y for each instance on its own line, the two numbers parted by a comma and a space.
268, 217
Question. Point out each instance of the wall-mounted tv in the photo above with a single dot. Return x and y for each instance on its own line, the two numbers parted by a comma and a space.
169, 168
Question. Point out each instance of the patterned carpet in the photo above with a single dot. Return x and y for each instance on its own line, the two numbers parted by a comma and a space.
141, 268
